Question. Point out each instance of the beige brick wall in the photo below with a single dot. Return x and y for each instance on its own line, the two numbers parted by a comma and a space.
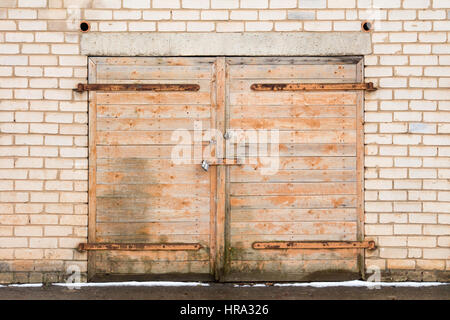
43, 124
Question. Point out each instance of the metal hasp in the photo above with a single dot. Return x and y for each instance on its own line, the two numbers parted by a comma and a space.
220, 162
139, 246
315, 245
81, 87
312, 86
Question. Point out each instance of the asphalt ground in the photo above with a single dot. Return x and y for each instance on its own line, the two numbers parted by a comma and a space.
224, 291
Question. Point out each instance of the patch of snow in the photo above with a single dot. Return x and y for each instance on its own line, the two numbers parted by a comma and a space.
26, 285
134, 284
359, 283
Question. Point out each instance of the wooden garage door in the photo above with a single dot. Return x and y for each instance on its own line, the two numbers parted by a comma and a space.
139, 194
316, 193
153, 217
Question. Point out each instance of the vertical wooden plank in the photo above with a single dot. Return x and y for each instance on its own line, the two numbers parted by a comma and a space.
92, 111
360, 164
213, 181
221, 170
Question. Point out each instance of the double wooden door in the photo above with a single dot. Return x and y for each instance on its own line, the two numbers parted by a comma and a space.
204, 175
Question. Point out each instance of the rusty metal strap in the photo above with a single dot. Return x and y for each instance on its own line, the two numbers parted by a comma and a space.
312, 86
139, 246
315, 245
136, 87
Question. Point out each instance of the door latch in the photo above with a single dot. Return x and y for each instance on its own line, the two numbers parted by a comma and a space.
221, 162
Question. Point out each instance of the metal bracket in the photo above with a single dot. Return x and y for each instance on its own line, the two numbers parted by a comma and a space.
312, 86
81, 87
370, 245
220, 162
139, 246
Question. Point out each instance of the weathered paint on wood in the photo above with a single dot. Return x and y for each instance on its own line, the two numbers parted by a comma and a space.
314, 194
141, 197
138, 195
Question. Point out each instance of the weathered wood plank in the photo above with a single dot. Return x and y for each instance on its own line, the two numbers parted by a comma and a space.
146, 228
147, 111
154, 61
188, 178
279, 214
156, 268
293, 60
292, 111
149, 124
301, 163
323, 201
292, 98
142, 72
237, 175
143, 97
237, 189
277, 71
111, 138
152, 190
294, 123
295, 136
241, 251
306, 228
250, 151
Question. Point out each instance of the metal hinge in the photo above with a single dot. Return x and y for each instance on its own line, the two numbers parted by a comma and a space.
139, 246
161, 87
312, 86
315, 245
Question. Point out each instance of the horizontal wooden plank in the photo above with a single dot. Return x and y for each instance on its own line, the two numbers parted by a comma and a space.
249, 239
143, 165
153, 203
292, 270
276, 228
203, 239
237, 189
301, 163
323, 201
292, 111
148, 111
137, 152
292, 98
293, 60
150, 124
160, 228
251, 151
111, 138
141, 72
293, 136
277, 71
278, 214
237, 175
152, 190
241, 251
188, 178
157, 267
154, 98
142, 214
294, 123
156, 256
154, 61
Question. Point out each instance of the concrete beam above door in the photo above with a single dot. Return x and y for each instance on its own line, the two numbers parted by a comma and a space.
226, 44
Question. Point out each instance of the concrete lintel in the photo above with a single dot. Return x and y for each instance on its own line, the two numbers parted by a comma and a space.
226, 44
